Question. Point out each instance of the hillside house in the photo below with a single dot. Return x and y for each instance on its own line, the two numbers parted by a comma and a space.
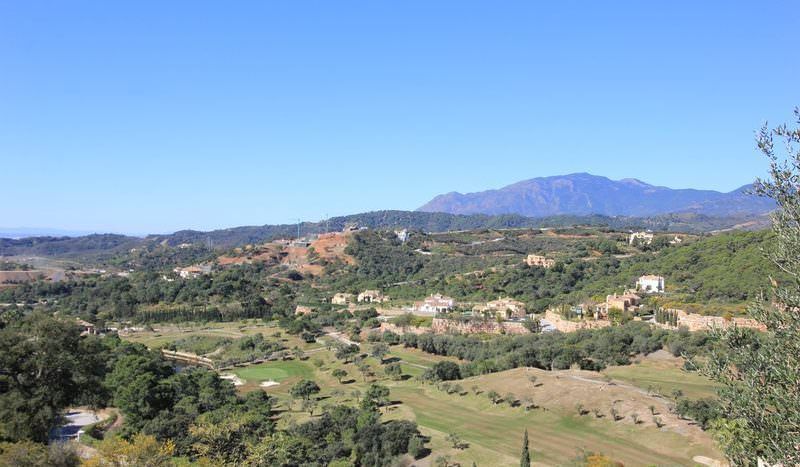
193, 272
538, 261
506, 308
342, 298
303, 310
650, 284
372, 296
435, 304
622, 302
87, 328
643, 238
402, 235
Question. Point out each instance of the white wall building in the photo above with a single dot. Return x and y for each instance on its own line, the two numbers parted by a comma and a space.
435, 304
650, 284
644, 237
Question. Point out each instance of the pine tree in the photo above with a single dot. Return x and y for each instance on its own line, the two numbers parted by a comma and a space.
525, 459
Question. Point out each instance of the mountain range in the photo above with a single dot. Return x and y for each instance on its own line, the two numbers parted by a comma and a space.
568, 200
584, 194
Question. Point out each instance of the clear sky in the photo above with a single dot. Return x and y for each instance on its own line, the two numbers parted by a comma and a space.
153, 116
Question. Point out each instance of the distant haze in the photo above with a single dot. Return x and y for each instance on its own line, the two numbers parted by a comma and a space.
23, 232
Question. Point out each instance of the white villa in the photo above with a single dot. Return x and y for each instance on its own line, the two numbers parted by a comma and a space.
372, 296
435, 304
645, 238
342, 298
193, 272
650, 284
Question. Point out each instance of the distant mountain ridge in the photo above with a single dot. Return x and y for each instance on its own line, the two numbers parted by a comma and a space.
583, 194
102, 247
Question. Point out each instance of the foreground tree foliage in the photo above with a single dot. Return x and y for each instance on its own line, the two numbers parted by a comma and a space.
760, 374
140, 450
48, 366
45, 366
29, 453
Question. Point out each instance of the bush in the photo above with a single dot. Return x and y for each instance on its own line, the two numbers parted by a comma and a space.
442, 371
703, 411
416, 447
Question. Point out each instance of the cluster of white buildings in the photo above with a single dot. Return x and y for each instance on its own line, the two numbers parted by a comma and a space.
647, 284
436, 303
193, 272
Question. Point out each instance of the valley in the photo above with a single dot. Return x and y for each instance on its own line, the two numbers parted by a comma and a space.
364, 309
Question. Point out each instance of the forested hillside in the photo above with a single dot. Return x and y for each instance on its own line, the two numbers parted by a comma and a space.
104, 248
715, 270
709, 274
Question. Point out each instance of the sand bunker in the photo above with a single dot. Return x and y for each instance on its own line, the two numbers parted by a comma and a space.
266, 384
234, 379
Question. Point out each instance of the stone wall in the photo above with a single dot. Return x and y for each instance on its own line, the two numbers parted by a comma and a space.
564, 325
696, 322
451, 326
402, 330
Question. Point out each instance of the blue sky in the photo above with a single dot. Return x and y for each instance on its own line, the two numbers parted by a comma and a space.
153, 116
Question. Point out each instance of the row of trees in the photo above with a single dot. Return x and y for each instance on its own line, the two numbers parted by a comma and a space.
590, 349
669, 317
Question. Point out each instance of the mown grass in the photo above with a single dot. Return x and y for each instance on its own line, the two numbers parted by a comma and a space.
275, 371
493, 432
496, 432
664, 378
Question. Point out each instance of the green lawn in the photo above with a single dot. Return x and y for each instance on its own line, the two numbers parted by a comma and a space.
275, 371
664, 377
495, 432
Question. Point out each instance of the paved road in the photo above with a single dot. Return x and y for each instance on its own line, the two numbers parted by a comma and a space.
74, 421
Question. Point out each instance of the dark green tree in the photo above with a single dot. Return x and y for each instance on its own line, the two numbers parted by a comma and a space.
394, 371
525, 458
304, 389
339, 374
379, 351
347, 352
376, 396
44, 369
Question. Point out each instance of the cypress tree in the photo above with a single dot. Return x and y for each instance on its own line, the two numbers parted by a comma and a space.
525, 459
